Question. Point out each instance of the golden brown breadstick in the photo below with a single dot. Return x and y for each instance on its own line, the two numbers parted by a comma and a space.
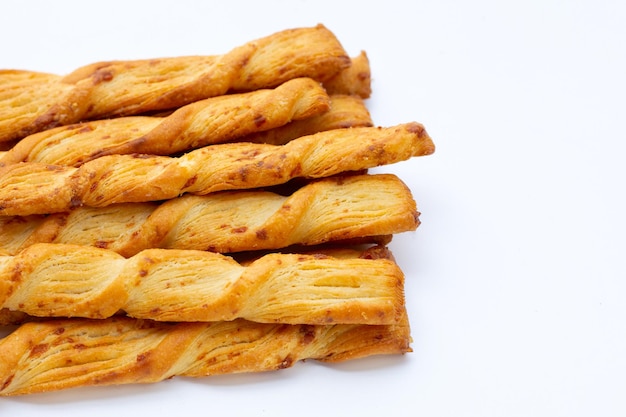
57, 280
345, 111
62, 354
213, 120
326, 210
33, 188
33, 102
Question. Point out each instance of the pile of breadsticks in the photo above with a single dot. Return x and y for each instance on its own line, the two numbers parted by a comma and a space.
199, 215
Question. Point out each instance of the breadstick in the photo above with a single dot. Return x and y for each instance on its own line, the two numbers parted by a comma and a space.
213, 120
377, 251
61, 354
122, 88
326, 210
34, 188
345, 111
57, 280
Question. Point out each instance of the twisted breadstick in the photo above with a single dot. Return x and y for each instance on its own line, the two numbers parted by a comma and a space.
62, 354
34, 188
378, 251
326, 210
345, 111
56, 280
121, 88
209, 121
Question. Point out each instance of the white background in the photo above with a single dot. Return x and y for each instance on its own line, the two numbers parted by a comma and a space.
515, 280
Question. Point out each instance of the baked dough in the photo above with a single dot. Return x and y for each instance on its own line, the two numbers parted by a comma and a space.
58, 280
32, 102
205, 122
62, 354
35, 188
326, 210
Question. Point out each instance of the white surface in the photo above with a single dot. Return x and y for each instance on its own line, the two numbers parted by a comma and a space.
516, 278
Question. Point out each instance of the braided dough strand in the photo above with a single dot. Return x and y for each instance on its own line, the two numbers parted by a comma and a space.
331, 209
121, 88
209, 121
33, 188
57, 280
62, 354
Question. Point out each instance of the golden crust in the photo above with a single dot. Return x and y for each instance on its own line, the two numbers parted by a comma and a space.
33, 102
62, 354
32, 188
213, 120
327, 210
57, 280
